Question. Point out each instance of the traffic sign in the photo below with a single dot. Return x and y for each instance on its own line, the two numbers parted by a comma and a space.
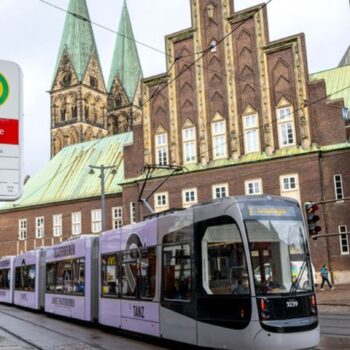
11, 116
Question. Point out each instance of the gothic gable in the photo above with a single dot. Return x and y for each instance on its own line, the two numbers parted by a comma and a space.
66, 75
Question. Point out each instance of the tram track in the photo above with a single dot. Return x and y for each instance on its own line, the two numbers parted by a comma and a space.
21, 338
92, 346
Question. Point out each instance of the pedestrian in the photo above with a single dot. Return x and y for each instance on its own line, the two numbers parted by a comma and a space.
324, 275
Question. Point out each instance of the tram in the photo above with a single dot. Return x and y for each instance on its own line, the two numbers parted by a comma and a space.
232, 273
221, 274
71, 278
29, 279
6, 279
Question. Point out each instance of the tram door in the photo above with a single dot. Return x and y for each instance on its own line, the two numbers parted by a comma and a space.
178, 307
223, 291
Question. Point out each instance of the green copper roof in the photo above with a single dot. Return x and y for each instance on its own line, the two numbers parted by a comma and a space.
77, 38
336, 79
125, 64
66, 176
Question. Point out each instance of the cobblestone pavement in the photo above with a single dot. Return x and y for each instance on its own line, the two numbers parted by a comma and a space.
334, 301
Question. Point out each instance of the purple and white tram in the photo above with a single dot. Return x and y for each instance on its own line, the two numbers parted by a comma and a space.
129, 292
7, 279
29, 279
224, 274
72, 277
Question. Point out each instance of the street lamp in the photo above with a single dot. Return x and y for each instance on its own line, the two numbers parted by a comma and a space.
102, 169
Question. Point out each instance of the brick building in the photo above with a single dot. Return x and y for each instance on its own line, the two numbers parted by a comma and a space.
235, 113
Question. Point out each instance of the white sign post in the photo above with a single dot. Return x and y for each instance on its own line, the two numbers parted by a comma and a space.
11, 110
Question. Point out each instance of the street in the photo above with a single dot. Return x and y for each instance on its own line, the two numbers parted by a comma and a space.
21, 329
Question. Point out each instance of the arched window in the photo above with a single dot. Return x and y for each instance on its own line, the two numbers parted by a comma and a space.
118, 101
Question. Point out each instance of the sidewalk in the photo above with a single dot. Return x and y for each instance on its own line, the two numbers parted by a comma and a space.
334, 301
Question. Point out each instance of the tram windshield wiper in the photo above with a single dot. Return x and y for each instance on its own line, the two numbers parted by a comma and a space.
295, 285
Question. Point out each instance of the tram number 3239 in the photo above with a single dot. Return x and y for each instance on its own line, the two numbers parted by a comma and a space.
139, 311
292, 303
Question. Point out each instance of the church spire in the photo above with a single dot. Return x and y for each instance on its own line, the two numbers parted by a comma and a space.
77, 40
346, 58
126, 65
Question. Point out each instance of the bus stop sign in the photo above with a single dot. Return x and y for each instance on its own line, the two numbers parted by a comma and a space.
11, 110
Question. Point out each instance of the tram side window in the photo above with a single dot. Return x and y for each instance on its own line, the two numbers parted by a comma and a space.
177, 272
66, 277
109, 275
148, 266
25, 278
224, 268
51, 277
5, 277
130, 273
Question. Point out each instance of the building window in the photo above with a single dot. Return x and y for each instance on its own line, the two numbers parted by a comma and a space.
289, 186
219, 139
285, 126
344, 239
189, 197
161, 201
57, 225
22, 229
253, 187
96, 220
189, 145
251, 133
162, 149
338, 187
76, 223
39, 227
117, 217
132, 212
220, 191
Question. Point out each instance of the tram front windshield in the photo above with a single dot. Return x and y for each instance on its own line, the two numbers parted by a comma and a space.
278, 247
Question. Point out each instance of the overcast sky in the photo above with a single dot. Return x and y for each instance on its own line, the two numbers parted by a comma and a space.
30, 33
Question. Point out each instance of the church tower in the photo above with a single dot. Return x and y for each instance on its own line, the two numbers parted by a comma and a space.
78, 92
124, 85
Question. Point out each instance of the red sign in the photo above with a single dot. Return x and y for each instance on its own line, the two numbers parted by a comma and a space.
9, 131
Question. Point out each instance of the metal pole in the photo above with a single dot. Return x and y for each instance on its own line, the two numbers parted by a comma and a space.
103, 203
102, 169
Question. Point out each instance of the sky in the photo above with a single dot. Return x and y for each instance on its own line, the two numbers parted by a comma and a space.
30, 33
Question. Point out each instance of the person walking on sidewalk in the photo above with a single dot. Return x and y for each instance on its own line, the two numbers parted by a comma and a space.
324, 275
